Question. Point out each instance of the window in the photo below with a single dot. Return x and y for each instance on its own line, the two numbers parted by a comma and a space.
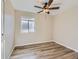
27, 24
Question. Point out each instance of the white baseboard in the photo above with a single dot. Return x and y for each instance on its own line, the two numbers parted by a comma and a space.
66, 46
35, 43
11, 52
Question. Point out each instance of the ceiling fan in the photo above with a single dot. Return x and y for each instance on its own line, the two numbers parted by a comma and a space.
47, 7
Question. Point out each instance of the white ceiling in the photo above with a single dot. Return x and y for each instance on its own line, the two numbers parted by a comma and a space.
28, 5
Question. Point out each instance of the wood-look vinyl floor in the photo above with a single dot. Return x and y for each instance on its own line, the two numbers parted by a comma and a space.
49, 50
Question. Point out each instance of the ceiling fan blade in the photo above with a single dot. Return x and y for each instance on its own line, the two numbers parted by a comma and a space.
54, 8
40, 11
38, 7
49, 3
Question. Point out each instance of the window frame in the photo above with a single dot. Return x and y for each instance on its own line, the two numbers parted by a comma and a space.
28, 21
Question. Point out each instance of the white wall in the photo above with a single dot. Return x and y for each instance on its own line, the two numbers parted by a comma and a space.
8, 29
42, 29
65, 28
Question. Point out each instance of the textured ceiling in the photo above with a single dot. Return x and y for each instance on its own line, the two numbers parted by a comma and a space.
28, 5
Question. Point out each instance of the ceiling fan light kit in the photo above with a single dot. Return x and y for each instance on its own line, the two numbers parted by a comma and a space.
46, 10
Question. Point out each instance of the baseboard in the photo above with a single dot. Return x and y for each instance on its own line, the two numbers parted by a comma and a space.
34, 43
11, 52
67, 46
